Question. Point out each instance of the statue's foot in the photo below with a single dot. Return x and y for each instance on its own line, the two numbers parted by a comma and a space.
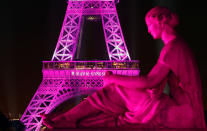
58, 122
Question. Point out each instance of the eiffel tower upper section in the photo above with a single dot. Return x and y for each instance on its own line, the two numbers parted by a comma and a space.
69, 36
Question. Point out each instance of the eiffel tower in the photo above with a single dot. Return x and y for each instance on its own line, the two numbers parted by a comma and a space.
64, 78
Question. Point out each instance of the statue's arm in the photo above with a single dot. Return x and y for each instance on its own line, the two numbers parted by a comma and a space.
155, 76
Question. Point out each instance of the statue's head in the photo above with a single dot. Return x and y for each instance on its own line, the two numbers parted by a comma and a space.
160, 18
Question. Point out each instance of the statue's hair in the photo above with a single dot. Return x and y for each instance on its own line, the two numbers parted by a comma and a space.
162, 15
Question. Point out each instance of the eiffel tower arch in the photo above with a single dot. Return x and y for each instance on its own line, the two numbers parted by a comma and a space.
64, 78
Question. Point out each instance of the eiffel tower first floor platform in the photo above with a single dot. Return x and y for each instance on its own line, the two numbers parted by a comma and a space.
68, 79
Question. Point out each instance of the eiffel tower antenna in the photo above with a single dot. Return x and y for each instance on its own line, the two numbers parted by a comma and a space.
64, 78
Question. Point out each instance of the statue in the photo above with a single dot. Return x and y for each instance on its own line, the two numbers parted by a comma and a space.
139, 101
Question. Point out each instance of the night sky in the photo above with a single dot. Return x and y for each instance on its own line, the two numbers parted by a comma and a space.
30, 30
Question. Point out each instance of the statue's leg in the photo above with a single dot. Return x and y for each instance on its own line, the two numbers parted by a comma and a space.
100, 109
70, 118
98, 120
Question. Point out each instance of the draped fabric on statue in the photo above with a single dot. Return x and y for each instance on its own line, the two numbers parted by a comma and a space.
185, 86
116, 105
129, 105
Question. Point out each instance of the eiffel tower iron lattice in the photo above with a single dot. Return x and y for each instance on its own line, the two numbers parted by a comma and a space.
64, 78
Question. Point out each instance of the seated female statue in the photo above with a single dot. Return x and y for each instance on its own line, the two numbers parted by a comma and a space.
139, 100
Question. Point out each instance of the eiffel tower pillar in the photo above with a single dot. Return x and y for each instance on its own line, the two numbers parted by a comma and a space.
68, 39
116, 46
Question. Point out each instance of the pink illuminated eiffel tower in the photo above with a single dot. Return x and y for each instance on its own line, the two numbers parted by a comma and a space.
64, 78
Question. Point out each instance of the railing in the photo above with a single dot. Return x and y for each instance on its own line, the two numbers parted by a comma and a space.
90, 65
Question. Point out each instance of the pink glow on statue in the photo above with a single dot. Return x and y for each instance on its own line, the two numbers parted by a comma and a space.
139, 101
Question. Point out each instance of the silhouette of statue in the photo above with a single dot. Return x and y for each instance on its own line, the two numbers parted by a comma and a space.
139, 101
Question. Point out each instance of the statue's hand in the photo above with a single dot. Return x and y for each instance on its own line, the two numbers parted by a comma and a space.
154, 92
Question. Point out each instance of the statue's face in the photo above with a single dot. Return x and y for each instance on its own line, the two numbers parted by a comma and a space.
154, 28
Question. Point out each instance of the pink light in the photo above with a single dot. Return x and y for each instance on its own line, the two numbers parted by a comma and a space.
64, 78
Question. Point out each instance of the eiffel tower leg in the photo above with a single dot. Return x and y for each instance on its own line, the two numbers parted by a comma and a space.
115, 42
56, 87
68, 38
40, 103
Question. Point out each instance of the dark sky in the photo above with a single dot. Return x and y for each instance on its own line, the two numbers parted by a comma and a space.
30, 30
